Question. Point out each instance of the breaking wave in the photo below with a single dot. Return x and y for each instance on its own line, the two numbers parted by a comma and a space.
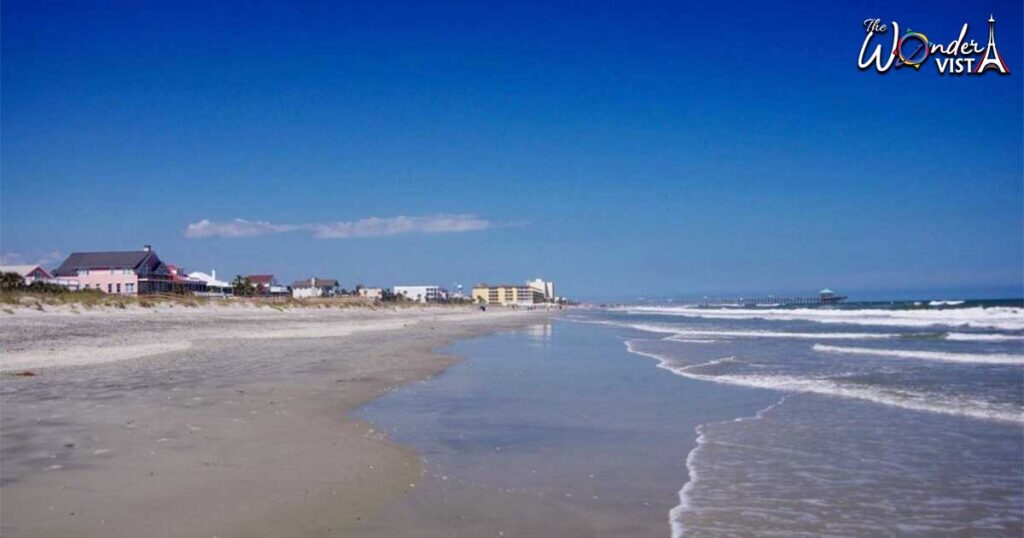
777, 334
973, 358
1003, 318
982, 337
912, 400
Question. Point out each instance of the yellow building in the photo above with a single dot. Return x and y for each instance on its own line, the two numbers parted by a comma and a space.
507, 294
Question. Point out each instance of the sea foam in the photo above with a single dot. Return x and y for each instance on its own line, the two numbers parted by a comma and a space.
973, 358
682, 333
705, 336
675, 515
984, 337
912, 400
1003, 318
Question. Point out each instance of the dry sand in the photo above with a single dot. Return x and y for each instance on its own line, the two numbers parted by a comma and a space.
210, 422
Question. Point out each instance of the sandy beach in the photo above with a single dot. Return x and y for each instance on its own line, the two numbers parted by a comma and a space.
211, 421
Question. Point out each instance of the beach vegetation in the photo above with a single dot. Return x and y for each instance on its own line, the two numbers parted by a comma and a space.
46, 296
11, 281
242, 286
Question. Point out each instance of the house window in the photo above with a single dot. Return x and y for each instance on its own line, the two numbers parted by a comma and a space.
126, 272
118, 288
83, 272
110, 288
129, 288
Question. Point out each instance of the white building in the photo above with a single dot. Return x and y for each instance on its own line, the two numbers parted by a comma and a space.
547, 288
422, 294
371, 293
314, 287
213, 285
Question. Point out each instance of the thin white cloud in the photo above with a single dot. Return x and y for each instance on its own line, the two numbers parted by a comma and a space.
375, 226
235, 228
370, 227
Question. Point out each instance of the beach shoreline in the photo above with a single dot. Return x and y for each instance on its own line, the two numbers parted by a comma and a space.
212, 422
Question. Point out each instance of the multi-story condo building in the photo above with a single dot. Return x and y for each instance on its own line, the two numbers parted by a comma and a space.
507, 294
545, 287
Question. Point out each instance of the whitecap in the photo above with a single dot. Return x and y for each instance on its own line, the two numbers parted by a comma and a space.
689, 335
682, 333
984, 337
911, 400
1003, 318
973, 358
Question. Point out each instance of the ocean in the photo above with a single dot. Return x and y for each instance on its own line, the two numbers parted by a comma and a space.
899, 418
878, 419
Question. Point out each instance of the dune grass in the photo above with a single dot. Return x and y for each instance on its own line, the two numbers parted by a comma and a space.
88, 300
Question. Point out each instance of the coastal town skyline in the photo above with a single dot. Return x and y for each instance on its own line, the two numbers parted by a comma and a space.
136, 273
622, 155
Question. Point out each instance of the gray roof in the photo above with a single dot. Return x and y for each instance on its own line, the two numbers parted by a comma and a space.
105, 260
315, 283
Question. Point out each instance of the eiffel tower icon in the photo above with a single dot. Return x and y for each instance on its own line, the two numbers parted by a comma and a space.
992, 59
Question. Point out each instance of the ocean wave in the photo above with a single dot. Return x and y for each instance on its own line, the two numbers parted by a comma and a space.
945, 303
1003, 318
687, 335
675, 515
649, 327
683, 333
984, 337
915, 401
708, 336
972, 358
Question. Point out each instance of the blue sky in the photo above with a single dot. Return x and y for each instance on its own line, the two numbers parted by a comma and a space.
619, 149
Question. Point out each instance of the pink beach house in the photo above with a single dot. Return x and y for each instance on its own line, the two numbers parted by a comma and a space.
125, 273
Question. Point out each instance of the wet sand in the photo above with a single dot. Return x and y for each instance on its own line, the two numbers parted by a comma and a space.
550, 430
238, 429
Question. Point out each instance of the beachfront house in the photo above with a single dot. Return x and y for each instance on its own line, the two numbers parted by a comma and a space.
267, 285
214, 287
183, 283
28, 273
421, 294
314, 287
121, 272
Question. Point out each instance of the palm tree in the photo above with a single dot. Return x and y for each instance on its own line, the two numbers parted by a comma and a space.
242, 286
